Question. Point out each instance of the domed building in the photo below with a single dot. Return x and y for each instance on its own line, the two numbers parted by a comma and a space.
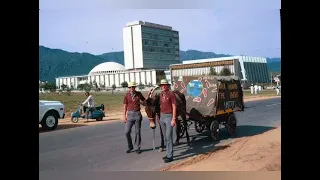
110, 73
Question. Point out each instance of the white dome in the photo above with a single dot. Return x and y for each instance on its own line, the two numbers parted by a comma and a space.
106, 67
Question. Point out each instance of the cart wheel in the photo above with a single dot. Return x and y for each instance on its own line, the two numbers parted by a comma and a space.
199, 126
182, 129
231, 124
214, 130
74, 119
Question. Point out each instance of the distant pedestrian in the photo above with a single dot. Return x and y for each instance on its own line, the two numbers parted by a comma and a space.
278, 90
255, 89
251, 88
132, 116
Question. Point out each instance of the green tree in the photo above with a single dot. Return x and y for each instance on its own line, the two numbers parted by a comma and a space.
225, 71
63, 86
85, 87
50, 86
124, 84
141, 86
114, 87
212, 71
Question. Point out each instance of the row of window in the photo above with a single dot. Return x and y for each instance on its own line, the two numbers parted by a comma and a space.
159, 64
159, 37
160, 31
160, 50
159, 43
160, 56
253, 68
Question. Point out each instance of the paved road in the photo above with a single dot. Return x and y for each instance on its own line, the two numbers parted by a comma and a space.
102, 147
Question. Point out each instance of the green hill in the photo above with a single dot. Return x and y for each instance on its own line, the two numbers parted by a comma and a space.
56, 62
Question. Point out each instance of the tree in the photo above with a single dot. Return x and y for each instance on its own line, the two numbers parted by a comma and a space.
124, 84
63, 86
141, 86
114, 87
225, 71
86, 87
49, 86
212, 71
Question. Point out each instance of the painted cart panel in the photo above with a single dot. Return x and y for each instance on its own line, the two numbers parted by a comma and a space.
210, 95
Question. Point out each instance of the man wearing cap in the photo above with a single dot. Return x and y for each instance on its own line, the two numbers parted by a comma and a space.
167, 116
132, 115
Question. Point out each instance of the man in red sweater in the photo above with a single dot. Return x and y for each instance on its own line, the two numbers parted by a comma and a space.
132, 116
167, 116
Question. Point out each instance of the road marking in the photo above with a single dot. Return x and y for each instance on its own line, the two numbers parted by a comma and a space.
273, 104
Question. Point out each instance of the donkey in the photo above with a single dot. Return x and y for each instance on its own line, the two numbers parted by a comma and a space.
152, 108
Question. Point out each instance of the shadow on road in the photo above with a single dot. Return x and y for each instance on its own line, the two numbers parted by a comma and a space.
80, 123
202, 143
61, 127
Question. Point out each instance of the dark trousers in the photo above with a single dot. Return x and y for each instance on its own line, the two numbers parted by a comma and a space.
90, 109
133, 118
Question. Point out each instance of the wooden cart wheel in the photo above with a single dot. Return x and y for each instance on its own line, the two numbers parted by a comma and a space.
214, 130
199, 126
231, 124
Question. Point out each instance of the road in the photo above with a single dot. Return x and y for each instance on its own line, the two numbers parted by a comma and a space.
102, 147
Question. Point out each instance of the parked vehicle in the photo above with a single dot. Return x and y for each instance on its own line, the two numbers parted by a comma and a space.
97, 114
49, 113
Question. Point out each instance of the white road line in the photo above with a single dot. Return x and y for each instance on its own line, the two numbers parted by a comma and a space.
273, 104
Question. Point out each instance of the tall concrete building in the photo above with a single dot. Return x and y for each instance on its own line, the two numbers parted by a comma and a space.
150, 46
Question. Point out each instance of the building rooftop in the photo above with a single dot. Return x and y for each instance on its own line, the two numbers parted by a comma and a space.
107, 66
148, 24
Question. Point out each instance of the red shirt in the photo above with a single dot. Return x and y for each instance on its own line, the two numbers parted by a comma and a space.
133, 103
166, 101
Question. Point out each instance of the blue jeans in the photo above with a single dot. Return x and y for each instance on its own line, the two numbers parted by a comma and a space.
165, 123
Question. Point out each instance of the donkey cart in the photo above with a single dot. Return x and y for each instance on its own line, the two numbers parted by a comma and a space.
211, 101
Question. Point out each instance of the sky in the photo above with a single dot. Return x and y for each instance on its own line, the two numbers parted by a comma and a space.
237, 27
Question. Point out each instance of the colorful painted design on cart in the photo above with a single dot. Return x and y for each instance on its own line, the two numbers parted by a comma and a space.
194, 89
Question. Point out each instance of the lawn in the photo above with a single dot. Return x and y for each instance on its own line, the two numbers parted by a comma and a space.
112, 102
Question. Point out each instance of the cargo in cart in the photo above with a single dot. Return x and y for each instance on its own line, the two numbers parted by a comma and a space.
211, 101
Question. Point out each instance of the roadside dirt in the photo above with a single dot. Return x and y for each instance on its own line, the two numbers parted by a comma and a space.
256, 153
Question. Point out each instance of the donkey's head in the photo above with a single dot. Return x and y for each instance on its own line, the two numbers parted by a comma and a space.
151, 107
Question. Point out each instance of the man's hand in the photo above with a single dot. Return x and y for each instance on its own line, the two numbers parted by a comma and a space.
125, 119
173, 122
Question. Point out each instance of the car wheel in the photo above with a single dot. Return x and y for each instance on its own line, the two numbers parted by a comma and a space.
50, 121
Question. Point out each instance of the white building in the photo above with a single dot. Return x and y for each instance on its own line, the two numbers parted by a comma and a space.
109, 73
249, 69
148, 50
150, 46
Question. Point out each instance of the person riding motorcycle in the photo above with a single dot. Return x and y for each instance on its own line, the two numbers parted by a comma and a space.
88, 103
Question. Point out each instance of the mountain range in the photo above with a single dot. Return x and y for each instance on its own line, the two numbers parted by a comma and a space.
56, 62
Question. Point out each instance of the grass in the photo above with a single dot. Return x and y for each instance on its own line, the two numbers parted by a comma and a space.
262, 93
112, 102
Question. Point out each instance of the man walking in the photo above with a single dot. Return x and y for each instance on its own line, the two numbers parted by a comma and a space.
132, 116
167, 116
